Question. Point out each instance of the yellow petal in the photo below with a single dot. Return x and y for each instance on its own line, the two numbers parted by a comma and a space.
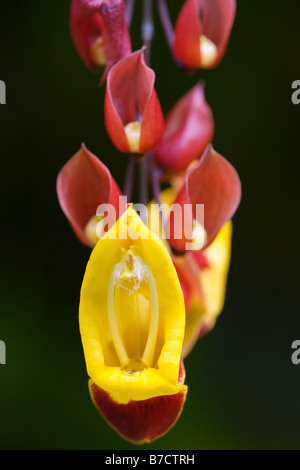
213, 284
214, 279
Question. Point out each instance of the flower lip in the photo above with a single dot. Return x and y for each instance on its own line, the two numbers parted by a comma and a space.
139, 421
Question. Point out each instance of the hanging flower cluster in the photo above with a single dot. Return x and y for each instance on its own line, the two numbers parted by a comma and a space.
155, 281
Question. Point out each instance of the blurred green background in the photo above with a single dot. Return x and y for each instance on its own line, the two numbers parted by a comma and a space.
243, 388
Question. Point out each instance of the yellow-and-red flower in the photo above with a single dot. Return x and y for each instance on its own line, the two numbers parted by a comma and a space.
132, 325
155, 282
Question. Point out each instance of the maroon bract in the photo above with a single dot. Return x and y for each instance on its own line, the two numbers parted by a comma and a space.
83, 184
202, 32
100, 33
189, 129
133, 116
213, 183
152, 286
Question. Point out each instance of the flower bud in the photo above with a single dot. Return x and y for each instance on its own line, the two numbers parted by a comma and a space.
210, 194
189, 129
133, 116
202, 32
83, 184
99, 32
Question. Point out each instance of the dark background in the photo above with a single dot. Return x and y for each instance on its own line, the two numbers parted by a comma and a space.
243, 388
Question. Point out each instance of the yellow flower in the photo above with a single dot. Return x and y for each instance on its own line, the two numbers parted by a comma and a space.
132, 314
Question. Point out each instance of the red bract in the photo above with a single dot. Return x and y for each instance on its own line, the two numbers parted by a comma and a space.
100, 33
213, 183
140, 421
83, 184
202, 32
189, 129
133, 116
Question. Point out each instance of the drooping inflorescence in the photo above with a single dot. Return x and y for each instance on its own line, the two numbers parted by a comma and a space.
155, 281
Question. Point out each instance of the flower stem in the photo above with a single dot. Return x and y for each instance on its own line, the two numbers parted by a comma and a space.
168, 28
155, 182
144, 193
128, 186
147, 29
154, 172
130, 4
166, 21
